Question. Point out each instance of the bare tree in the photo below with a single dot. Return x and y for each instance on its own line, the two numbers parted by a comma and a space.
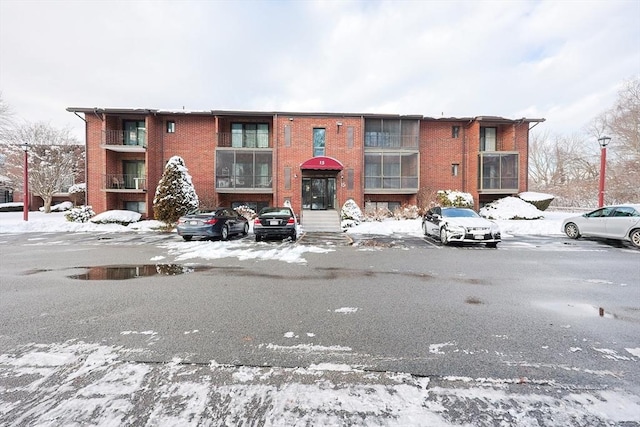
54, 156
6, 119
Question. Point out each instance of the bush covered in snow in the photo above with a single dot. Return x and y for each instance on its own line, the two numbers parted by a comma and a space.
116, 217
175, 195
60, 207
350, 215
510, 208
80, 214
246, 212
406, 212
539, 200
454, 198
77, 193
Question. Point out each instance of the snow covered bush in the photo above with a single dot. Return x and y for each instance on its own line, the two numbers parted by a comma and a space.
80, 214
77, 193
454, 198
246, 212
350, 215
510, 208
539, 200
116, 217
406, 212
60, 207
175, 195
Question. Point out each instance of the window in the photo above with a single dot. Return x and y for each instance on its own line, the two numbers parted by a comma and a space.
287, 178
350, 179
391, 133
455, 131
244, 169
391, 171
287, 136
140, 207
349, 136
134, 132
488, 139
249, 135
498, 171
454, 169
171, 127
318, 141
134, 174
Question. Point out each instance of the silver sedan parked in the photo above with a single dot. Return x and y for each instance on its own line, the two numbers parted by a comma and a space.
621, 222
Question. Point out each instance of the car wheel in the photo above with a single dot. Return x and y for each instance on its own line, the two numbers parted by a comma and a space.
245, 230
258, 238
444, 239
571, 230
294, 235
224, 233
635, 238
424, 229
187, 238
492, 245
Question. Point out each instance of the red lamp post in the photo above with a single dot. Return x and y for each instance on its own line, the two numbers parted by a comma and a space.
603, 141
25, 195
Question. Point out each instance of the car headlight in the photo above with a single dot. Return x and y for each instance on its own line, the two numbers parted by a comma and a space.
456, 228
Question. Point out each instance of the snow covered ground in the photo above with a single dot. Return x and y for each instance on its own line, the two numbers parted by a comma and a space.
12, 222
79, 383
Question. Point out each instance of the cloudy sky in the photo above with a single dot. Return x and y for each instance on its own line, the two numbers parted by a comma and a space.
560, 60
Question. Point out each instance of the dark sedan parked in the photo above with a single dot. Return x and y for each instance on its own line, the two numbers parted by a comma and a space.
275, 222
220, 222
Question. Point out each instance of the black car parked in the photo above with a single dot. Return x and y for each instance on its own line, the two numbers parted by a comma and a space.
275, 222
219, 222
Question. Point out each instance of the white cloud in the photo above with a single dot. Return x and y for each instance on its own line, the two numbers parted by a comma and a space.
558, 60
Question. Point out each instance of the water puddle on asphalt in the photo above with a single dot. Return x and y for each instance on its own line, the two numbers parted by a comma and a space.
579, 309
124, 272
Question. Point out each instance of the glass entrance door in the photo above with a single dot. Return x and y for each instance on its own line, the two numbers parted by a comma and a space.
318, 193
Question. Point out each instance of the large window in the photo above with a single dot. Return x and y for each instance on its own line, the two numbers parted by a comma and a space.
134, 174
318, 141
391, 133
134, 132
249, 135
498, 171
243, 169
488, 139
391, 171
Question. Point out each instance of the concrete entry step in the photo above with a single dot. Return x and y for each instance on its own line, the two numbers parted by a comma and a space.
319, 238
323, 221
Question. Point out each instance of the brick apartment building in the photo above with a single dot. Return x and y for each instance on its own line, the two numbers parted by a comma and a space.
316, 161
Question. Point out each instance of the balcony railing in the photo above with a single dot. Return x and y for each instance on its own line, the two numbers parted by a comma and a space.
244, 182
124, 182
125, 138
243, 140
390, 140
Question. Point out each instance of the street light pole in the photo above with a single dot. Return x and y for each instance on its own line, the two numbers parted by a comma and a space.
25, 195
603, 141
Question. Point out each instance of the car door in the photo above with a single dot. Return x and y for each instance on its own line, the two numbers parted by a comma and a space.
594, 223
433, 221
231, 220
620, 221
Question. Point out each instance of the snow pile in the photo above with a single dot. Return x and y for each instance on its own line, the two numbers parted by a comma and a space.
60, 207
532, 196
116, 217
510, 208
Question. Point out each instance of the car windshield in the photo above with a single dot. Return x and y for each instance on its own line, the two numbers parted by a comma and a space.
459, 213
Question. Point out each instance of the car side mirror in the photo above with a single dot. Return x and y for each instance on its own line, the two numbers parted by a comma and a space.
436, 217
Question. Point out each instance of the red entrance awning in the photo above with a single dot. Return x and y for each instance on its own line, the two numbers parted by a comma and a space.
322, 163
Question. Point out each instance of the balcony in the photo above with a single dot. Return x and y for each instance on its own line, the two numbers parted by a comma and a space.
124, 183
125, 141
256, 139
498, 172
391, 173
244, 171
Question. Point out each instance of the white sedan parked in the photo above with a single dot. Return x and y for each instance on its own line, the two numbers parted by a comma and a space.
620, 222
452, 224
